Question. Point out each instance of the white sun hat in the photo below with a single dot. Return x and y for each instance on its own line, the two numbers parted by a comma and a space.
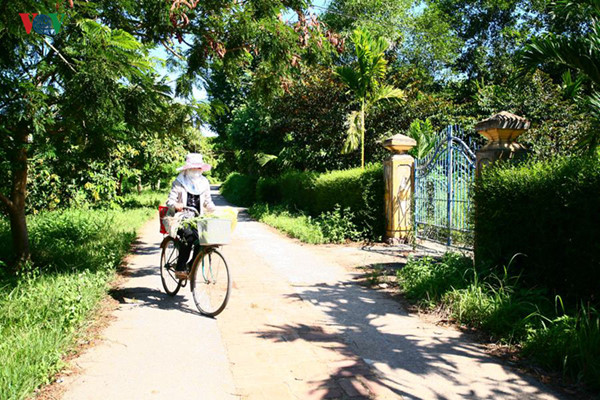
194, 161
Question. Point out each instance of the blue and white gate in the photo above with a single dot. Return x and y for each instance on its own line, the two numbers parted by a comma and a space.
442, 198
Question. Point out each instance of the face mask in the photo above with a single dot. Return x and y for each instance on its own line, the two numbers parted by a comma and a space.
194, 174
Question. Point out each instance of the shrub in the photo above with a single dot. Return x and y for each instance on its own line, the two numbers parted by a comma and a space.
549, 212
337, 225
330, 227
359, 190
356, 191
268, 191
426, 280
292, 188
239, 189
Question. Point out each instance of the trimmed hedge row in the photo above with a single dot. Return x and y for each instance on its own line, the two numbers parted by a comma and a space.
356, 189
239, 189
549, 211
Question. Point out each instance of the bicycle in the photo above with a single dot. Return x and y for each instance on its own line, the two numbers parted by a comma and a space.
210, 282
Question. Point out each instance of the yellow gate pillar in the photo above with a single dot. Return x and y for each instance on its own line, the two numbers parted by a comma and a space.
398, 171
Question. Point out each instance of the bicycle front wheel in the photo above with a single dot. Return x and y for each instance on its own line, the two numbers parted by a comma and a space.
168, 262
211, 282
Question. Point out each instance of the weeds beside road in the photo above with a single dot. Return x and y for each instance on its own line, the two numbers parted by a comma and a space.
561, 337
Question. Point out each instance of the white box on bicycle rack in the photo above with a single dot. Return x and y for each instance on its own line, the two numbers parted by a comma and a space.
214, 231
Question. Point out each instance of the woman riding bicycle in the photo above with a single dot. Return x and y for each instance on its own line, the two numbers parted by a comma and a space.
190, 189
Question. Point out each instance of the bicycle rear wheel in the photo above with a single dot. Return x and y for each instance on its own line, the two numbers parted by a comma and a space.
211, 283
168, 263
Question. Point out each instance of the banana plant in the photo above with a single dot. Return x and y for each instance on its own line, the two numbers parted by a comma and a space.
424, 134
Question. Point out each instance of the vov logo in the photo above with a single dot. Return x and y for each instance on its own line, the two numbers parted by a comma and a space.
44, 24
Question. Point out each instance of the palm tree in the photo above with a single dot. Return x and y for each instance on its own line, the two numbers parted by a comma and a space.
580, 52
577, 51
364, 82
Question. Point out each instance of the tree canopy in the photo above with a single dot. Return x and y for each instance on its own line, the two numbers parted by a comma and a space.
85, 115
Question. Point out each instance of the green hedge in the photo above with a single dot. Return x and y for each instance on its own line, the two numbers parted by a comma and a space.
549, 211
356, 190
360, 191
294, 188
239, 189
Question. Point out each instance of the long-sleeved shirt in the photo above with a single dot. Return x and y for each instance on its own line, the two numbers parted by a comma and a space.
179, 194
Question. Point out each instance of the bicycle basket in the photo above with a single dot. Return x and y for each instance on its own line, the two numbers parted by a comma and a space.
214, 231
162, 213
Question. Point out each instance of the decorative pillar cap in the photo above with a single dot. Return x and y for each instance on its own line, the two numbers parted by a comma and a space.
399, 143
502, 127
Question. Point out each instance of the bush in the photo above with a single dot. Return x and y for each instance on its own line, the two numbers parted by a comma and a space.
356, 191
359, 190
549, 212
292, 188
268, 191
337, 225
330, 227
426, 280
239, 189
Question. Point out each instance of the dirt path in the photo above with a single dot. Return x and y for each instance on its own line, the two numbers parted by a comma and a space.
298, 326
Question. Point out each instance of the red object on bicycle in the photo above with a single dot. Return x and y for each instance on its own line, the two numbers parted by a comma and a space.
162, 212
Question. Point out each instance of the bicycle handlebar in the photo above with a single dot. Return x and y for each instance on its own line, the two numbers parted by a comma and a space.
196, 213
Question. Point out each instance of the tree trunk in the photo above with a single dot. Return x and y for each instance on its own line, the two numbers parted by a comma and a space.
16, 206
120, 185
139, 185
158, 184
20, 236
362, 135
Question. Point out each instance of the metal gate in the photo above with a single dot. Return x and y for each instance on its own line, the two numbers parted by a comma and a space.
443, 181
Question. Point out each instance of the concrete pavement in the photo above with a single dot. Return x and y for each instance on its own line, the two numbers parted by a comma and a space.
158, 347
298, 326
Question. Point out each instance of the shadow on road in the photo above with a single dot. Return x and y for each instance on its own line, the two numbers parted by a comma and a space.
144, 248
139, 272
147, 297
366, 330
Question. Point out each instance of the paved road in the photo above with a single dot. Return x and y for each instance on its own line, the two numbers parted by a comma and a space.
298, 326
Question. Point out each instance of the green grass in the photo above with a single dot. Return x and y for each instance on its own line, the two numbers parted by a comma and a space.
43, 310
330, 227
149, 198
569, 343
301, 227
496, 305
427, 285
566, 340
